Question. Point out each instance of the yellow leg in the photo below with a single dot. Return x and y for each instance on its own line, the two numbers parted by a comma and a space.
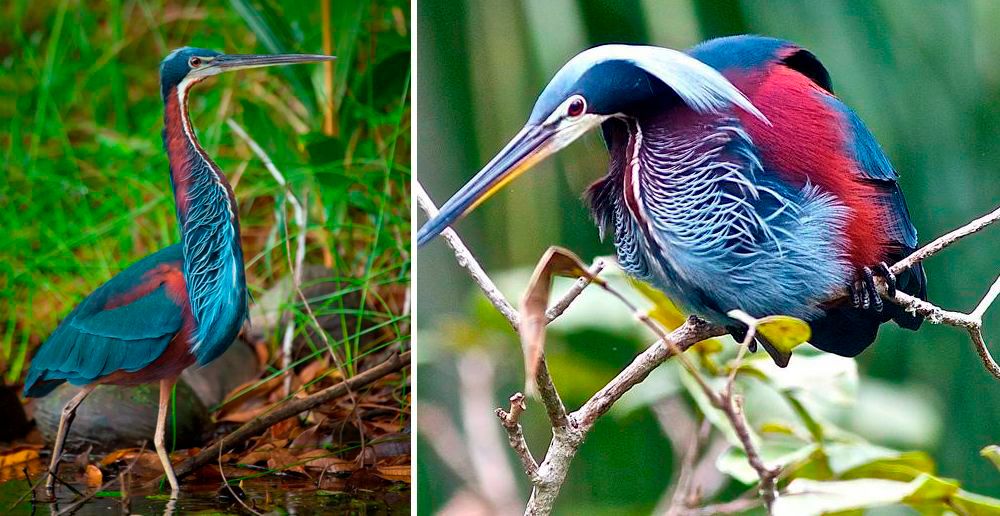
161, 428
65, 420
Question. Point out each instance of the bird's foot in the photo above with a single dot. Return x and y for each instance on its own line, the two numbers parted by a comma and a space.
863, 291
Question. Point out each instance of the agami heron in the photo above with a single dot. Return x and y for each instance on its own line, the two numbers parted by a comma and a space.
736, 180
178, 306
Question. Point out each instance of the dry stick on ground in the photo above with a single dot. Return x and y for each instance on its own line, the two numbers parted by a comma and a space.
292, 408
551, 473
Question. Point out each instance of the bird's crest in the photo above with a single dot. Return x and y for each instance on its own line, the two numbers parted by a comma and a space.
700, 86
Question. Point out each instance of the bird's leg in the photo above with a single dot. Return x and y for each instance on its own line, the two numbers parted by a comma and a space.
65, 420
166, 386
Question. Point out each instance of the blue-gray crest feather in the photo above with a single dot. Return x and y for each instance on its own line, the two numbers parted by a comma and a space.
700, 86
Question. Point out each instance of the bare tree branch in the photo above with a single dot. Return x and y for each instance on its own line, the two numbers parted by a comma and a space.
945, 240
467, 261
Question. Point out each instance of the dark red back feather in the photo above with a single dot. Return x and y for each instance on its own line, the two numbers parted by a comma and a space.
807, 141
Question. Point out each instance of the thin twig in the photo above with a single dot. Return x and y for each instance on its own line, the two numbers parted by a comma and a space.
511, 421
225, 482
467, 261
945, 240
685, 491
300, 247
581, 283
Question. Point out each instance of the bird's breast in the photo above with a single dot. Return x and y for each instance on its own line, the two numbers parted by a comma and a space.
696, 215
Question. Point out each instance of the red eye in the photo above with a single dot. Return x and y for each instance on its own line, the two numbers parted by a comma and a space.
576, 107
195, 62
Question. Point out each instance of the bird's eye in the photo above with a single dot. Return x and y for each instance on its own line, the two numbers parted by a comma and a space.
195, 62
576, 107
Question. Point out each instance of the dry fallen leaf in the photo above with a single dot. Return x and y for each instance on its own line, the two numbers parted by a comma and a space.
94, 476
17, 456
249, 404
324, 461
311, 371
282, 429
282, 460
400, 473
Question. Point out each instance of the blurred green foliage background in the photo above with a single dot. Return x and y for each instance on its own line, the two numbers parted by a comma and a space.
924, 76
85, 190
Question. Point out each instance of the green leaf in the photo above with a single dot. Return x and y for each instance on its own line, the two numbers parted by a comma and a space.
733, 461
108, 494
811, 497
714, 415
785, 332
972, 503
849, 458
928, 493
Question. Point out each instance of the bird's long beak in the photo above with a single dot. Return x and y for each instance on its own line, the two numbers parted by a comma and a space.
531, 145
230, 62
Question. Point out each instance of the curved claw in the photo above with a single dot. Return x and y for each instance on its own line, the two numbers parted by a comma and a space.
871, 292
854, 293
890, 279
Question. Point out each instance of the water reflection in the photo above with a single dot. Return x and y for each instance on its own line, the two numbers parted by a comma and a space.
265, 494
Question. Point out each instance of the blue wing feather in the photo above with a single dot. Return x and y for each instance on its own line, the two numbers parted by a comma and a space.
875, 166
93, 342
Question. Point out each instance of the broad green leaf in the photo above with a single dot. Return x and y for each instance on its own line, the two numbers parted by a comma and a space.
928, 493
903, 466
976, 504
714, 415
810, 497
733, 461
817, 380
849, 457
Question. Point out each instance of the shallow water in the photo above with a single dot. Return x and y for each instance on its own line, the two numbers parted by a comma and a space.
266, 495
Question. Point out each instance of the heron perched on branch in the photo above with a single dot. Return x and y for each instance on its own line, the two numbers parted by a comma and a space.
736, 180
181, 305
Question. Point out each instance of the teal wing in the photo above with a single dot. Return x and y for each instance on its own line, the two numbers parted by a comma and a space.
125, 324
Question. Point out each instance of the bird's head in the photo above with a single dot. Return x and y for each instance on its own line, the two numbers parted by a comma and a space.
186, 66
597, 84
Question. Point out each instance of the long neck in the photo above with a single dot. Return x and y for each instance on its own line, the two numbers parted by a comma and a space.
210, 231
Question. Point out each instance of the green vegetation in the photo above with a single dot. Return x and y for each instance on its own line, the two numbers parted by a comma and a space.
926, 80
85, 189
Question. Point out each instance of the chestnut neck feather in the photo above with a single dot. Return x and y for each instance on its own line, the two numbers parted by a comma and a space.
207, 214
